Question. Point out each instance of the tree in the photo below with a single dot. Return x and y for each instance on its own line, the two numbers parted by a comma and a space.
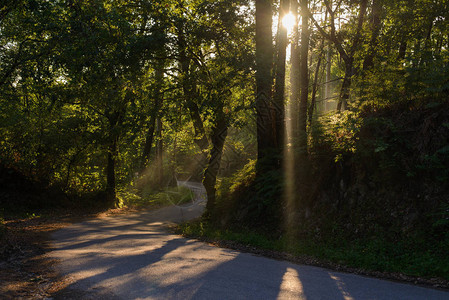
347, 53
304, 81
265, 108
279, 82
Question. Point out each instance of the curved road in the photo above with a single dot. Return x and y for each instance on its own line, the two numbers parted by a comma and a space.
134, 257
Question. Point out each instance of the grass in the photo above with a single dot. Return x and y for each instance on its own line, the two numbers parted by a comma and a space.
373, 255
170, 196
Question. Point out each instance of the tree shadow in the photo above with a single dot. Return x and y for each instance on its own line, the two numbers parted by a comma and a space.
146, 262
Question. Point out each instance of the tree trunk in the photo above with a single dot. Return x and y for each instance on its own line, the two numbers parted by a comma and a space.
295, 71
279, 86
349, 59
327, 85
148, 143
304, 82
189, 90
111, 196
375, 30
426, 54
115, 120
218, 138
158, 100
315, 85
402, 49
345, 87
266, 141
439, 45
159, 149
190, 95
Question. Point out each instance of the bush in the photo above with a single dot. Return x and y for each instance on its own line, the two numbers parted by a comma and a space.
249, 200
170, 196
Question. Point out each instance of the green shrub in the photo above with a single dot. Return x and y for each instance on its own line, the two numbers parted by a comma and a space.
170, 196
249, 200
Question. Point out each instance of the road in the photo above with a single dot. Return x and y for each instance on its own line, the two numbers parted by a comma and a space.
133, 256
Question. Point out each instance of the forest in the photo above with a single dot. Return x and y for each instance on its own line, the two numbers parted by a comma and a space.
316, 126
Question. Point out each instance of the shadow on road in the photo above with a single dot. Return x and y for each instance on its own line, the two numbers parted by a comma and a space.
134, 257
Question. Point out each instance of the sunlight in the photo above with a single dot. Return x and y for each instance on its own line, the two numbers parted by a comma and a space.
289, 21
341, 286
291, 287
289, 169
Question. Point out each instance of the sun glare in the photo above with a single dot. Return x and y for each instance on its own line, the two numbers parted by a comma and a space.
288, 21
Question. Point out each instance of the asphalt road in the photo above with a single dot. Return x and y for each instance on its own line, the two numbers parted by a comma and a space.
134, 257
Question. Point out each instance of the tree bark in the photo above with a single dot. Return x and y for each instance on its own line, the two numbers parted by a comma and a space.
327, 85
375, 30
304, 81
315, 85
190, 90
402, 49
190, 95
295, 71
158, 100
266, 141
218, 138
110, 173
279, 86
148, 143
114, 120
159, 149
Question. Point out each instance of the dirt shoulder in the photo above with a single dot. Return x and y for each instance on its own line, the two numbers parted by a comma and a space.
25, 271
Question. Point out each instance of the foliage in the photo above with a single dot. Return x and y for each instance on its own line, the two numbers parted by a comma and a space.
250, 200
78, 85
410, 257
339, 130
230, 190
170, 196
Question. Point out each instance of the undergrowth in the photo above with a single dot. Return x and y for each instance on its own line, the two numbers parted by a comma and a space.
408, 257
170, 196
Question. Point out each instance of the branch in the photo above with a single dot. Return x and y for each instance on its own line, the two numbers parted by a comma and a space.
320, 29
331, 37
358, 34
